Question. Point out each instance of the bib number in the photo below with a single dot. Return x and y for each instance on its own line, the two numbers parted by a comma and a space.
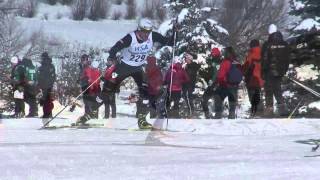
137, 58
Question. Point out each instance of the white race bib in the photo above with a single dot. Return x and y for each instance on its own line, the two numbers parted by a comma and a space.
136, 54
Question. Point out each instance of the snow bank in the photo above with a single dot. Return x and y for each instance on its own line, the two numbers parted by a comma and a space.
307, 72
315, 105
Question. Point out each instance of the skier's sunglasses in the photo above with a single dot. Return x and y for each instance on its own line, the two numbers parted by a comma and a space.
145, 30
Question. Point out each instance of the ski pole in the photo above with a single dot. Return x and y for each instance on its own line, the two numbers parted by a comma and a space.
173, 54
305, 87
295, 109
72, 102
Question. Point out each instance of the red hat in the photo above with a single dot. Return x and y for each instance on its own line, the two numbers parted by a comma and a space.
215, 52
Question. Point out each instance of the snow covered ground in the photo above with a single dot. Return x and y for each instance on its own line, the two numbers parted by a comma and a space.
205, 149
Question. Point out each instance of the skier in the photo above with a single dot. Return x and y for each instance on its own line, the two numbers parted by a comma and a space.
228, 78
179, 78
192, 69
155, 81
252, 74
17, 88
91, 76
108, 97
134, 49
275, 63
213, 62
46, 79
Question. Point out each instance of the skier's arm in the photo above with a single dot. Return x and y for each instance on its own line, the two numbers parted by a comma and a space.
122, 43
157, 37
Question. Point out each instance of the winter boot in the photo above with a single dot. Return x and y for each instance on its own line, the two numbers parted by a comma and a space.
218, 115
268, 112
142, 122
283, 110
208, 115
232, 115
83, 119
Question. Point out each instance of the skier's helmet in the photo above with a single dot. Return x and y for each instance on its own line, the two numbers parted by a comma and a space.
145, 24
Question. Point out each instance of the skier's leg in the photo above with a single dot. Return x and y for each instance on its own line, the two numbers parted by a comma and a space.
233, 99
268, 96
206, 96
219, 97
112, 103
142, 103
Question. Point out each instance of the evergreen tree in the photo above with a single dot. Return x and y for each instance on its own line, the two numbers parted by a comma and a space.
306, 9
197, 32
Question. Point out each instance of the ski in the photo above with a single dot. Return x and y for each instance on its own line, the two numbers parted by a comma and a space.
89, 126
166, 145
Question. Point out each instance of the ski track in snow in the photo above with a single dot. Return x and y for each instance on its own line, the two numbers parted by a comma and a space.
217, 149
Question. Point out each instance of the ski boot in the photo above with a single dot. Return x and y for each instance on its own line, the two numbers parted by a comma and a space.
82, 120
142, 122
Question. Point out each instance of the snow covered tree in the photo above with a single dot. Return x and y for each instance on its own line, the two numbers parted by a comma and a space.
197, 35
309, 13
197, 32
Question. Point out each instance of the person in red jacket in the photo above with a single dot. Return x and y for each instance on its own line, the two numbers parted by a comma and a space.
155, 81
175, 82
226, 88
253, 76
109, 97
91, 75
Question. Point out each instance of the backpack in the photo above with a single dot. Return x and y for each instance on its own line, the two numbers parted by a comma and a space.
235, 74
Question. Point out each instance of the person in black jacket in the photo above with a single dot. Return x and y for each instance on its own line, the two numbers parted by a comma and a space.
46, 79
192, 69
275, 63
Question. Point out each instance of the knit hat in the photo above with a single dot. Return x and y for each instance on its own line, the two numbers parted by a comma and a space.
272, 29
215, 52
14, 60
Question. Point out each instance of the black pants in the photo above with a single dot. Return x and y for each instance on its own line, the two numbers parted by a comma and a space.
272, 88
255, 98
109, 100
153, 105
19, 107
208, 93
174, 111
122, 71
30, 93
187, 93
222, 93
46, 101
